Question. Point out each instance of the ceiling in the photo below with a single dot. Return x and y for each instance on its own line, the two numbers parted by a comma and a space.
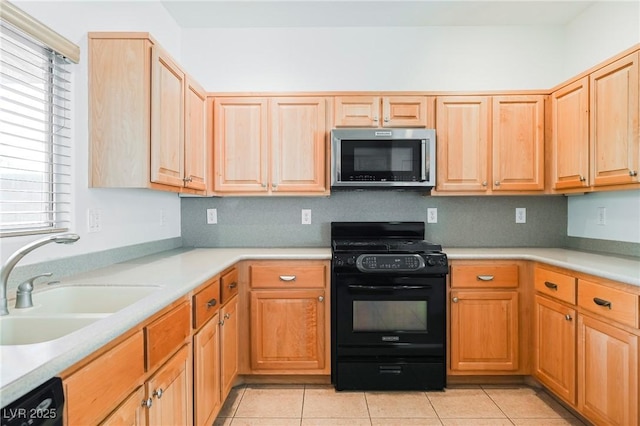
367, 13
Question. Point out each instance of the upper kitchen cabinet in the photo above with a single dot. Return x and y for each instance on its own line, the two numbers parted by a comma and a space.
381, 111
146, 117
490, 144
270, 146
570, 135
615, 125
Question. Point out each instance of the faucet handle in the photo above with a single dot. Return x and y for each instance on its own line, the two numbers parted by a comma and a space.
23, 295
27, 285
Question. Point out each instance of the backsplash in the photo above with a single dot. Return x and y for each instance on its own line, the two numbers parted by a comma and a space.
462, 221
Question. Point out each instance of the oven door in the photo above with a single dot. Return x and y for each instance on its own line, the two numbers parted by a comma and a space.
403, 314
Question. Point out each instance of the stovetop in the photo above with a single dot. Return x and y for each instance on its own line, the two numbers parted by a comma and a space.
385, 246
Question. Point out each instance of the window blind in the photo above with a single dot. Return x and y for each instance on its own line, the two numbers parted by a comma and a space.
35, 144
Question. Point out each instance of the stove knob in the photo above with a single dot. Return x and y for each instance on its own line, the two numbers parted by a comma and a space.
351, 261
431, 262
339, 262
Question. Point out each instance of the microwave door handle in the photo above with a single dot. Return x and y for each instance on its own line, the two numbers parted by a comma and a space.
423, 162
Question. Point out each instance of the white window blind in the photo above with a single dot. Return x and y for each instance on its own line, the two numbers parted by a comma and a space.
35, 144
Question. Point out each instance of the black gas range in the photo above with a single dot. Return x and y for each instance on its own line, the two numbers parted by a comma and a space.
388, 310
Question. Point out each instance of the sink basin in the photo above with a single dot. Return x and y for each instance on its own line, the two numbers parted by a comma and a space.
86, 299
37, 329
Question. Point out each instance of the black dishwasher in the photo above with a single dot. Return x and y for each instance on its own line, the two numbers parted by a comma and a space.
42, 406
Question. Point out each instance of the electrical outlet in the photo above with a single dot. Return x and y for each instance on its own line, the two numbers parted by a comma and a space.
521, 215
94, 220
602, 216
212, 216
306, 216
432, 215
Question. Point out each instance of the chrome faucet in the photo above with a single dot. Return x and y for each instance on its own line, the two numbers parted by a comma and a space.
11, 262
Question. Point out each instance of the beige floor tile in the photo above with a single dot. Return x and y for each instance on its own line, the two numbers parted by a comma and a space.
399, 405
527, 403
271, 402
252, 421
406, 422
326, 402
336, 422
231, 404
464, 403
476, 422
548, 422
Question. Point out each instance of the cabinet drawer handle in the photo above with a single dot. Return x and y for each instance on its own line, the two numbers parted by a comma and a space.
602, 302
211, 303
233, 284
454, 300
287, 277
497, 183
551, 285
147, 402
568, 317
320, 298
485, 277
227, 316
633, 173
158, 393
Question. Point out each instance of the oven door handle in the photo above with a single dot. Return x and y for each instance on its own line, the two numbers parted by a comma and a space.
375, 288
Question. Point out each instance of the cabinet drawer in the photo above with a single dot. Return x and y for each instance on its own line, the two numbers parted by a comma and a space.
284, 276
555, 284
166, 334
92, 392
484, 276
608, 302
229, 285
206, 303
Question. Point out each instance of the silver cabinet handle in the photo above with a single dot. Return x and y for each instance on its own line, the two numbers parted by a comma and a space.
455, 300
375, 118
386, 119
264, 185
496, 183
227, 316
485, 277
582, 178
484, 183
158, 393
287, 277
320, 298
233, 284
187, 179
221, 323
568, 317
633, 173
147, 403
211, 303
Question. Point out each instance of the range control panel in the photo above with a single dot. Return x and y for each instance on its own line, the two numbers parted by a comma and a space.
428, 263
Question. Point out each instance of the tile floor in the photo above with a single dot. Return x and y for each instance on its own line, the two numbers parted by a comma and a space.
307, 405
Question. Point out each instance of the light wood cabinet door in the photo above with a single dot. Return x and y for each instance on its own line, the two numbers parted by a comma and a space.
206, 374
357, 111
607, 373
228, 345
167, 119
555, 347
195, 140
130, 413
615, 129
404, 111
484, 331
570, 135
298, 145
463, 135
170, 391
288, 330
518, 143
241, 145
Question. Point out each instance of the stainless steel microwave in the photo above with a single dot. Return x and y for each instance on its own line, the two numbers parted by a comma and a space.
383, 158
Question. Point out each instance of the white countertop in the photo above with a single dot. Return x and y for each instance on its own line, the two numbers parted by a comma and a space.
177, 272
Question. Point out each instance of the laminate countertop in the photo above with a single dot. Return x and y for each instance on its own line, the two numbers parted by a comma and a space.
176, 272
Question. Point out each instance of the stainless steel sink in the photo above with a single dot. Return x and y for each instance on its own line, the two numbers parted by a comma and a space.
27, 330
86, 299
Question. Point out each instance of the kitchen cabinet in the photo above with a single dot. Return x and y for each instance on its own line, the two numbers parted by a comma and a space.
289, 317
614, 129
206, 353
228, 346
570, 135
131, 412
490, 144
484, 318
138, 100
271, 146
555, 331
607, 373
381, 111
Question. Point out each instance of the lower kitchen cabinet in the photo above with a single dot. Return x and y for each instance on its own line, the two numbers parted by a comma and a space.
287, 329
484, 318
228, 346
555, 348
169, 391
607, 373
130, 412
206, 375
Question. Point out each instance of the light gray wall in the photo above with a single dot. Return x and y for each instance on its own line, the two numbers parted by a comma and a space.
462, 221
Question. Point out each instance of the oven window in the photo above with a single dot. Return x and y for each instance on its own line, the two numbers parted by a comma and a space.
390, 315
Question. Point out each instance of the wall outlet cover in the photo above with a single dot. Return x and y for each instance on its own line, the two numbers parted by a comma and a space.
212, 216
